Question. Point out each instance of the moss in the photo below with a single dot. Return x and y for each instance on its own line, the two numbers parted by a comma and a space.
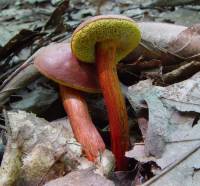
125, 32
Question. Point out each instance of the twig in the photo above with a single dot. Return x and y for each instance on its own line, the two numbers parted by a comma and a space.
181, 73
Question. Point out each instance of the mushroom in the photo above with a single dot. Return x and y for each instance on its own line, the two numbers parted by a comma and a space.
57, 62
106, 40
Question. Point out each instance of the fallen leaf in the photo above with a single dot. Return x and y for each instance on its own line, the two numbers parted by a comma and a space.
23, 76
165, 3
180, 16
47, 151
184, 171
56, 16
81, 178
36, 100
186, 45
22, 39
43, 144
155, 39
159, 34
173, 119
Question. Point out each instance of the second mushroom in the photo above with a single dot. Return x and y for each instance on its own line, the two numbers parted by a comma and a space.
57, 62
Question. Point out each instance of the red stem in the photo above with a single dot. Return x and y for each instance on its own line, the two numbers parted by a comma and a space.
81, 123
117, 114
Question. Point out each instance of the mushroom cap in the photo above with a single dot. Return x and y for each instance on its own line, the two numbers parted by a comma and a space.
57, 63
120, 29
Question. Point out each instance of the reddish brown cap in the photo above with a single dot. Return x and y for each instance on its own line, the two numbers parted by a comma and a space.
57, 62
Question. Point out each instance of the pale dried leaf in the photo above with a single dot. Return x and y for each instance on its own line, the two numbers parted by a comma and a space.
186, 44
183, 172
81, 178
159, 34
43, 144
49, 149
36, 101
155, 39
173, 110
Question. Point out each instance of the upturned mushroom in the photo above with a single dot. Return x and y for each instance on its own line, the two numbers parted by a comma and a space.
57, 62
106, 40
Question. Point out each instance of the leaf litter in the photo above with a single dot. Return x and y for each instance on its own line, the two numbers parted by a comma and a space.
166, 113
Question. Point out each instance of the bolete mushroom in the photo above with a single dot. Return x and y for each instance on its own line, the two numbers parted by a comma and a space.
57, 62
106, 40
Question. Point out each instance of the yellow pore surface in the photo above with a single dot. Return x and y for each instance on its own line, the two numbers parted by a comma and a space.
124, 32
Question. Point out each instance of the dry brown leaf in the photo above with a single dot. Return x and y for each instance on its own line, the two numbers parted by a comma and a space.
186, 45
155, 40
